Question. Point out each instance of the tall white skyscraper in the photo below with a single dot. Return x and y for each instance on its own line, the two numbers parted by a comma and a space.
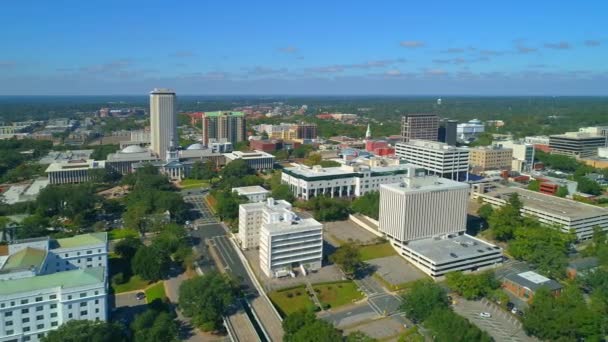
163, 121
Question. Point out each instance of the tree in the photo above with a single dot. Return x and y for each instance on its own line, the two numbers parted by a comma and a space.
534, 185
358, 336
204, 170
283, 192
86, 331
368, 204
472, 286
154, 326
504, 220
236, 169
205, 299
587, 186
485, 211
562, 191
348, 258
446, 326
127, 247
150, 263
303, 326
313, 159
424, 297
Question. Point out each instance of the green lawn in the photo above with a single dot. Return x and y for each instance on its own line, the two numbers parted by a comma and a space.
119, 265
116, 234
380, 250
390, 286
134, 283
156, 291
338, 293
194, 183
286, 305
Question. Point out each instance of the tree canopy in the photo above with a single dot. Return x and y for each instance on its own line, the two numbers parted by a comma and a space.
154, 326
424, 297
348, 258
86, 331
304, 326
368, 204
472, 286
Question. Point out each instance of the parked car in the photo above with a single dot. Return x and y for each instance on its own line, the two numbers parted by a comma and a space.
514, 310
140, 295
510, 306
485, 315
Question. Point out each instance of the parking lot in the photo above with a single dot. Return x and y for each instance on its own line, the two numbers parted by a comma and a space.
341, 231
396, 270
205, 215
502, 326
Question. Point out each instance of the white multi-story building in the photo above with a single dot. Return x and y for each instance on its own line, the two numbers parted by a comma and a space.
424, 218
163, 121
523, 154
74, 171
47, 282
253, 215
469, 130
257, 160
566, 214
253, 193
287, 242
341, 181
437, 158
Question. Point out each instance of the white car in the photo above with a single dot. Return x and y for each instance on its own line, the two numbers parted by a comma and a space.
485, 315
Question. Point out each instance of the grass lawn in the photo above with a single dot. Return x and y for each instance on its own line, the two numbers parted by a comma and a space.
156, 291
376, 251
193, 183
119, 265
134, 283
393, 287
299, 300
338, 293
116, 234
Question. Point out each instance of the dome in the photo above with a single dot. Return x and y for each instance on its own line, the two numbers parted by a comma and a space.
133, 149
197, 146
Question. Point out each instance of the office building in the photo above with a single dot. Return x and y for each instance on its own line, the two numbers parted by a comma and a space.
253, 193
353, 180
46, 282
468, 131
257, 160
525, 284
74, 172
523, 154
576, 144
437, 158
287, 242
253, 215
486, 158
567, 215
223, 125
422, 126
306, 131
595, 130
122, 161
424, 218
163, 121
447, 132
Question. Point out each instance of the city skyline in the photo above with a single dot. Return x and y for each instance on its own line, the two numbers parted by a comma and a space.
316, 48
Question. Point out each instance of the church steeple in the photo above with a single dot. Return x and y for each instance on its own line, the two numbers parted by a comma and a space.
368, 133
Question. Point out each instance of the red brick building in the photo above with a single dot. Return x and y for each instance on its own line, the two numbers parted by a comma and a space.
525, 284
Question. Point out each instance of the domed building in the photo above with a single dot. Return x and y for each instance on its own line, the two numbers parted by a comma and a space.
123, 160
196, 146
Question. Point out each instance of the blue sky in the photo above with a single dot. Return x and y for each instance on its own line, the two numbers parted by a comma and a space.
308, 47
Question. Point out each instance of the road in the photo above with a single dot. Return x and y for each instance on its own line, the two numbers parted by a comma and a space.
209, 233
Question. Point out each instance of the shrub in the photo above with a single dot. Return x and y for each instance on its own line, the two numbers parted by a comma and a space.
118, 279
289, 294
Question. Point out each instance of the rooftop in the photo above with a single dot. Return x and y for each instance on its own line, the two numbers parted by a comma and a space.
76, 165
270, 204
65, 156
577, 136
249, 190
424, 184
248, 155
295, 224
222, 112
25, 258
66, 279
451, 247
533, 280
551, 204
433, 145
90, 239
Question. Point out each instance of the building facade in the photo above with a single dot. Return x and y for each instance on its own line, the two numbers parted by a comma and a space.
306, 131
576, 144
447, 132
253, 193
523, 155
223, 125
422, 126
253, 215
47, 282
74, 172
485, 158
469, 130
163, 121
288, 242
437, 158
257, 160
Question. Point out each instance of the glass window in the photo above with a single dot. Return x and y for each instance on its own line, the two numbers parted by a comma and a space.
53, 314
52, 296
84, 294
53, 324
39, 299
24, 301
10, 332
83, 304
8, 323
26, 329
40, 326
39, 308
53, 306
25, 320
83, 313
39, 317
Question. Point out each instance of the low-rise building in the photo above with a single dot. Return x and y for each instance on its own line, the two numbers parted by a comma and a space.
567, 215
353, 180
523, 155
288, 242
576, 144
437, 158
525, 284
257, 160
254, 193
487, 158
74, 172
253, 215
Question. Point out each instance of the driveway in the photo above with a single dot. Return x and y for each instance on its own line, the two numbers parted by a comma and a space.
125, 306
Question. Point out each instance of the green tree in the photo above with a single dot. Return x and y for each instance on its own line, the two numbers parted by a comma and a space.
368, 204
446, 326
587, 186
154, 326
205, 299
204, 170
86, 331
423, 298
303, 326
485, 211
562, 191
127, 247
534, 185
150, 263
358, 336
504, 220
472, 286
348, 258
283, 192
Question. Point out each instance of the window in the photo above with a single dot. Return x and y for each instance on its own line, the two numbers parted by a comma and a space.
8, 314
40, 326
82, 295
69, 297
39, 299
25, 320
89, 259
69, 315
53, 314
96, 301
24, 301
96, 293
96, 310
39, 317
8, 323
39, 308
26, 329
53, 324
2, 305
78, 253
83, 304
89, 252
26, 338
10, 332
53, 306
52, 296
69, 306
84, 313
66, 255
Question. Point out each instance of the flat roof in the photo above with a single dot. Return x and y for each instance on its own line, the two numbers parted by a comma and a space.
90, 239
425, 184
224, 112
35, 188
64, 156
76, 165
551, 204
451, 247
12, 195
345, 169
25, 258
533, 280
294, 225
66, 279
277, 206
248, 155
249, 190
434, 145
